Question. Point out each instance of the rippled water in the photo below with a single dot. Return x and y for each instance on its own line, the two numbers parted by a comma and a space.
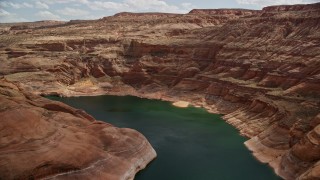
191, 144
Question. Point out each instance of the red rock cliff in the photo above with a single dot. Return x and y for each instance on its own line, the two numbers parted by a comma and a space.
259, 68
41, 138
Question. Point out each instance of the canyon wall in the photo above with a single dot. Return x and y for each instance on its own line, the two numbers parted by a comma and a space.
261, 69
44, 139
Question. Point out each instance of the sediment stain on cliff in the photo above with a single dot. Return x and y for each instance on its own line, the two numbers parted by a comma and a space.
259, 68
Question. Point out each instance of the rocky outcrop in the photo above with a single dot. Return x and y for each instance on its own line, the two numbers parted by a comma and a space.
258, 68
45, 139
298, 7
235, 12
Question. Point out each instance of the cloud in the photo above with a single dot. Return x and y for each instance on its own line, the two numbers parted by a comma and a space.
5, 17
138, 6
64, 1
4, 13
154, 5
72, 12
100, 5
41, 5
47, 15
188, 6
27, 5
7, 4
263, 3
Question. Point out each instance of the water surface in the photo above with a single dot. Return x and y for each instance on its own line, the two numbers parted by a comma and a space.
191, 144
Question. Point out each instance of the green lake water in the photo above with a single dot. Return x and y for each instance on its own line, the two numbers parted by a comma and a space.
191, 143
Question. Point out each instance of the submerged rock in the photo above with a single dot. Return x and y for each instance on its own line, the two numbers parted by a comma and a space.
182, 104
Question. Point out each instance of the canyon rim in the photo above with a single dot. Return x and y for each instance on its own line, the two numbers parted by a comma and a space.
260, 68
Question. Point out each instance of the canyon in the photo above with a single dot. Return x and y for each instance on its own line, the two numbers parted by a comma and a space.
259, 68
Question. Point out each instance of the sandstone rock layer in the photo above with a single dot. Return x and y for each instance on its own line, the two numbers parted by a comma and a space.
44, 139
261, 69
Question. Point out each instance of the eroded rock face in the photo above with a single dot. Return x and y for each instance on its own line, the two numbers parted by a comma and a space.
259, 68
41, 138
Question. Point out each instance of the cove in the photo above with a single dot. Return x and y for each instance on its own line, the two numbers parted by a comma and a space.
191, 143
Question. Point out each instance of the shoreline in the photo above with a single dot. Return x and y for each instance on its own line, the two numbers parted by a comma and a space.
181, 103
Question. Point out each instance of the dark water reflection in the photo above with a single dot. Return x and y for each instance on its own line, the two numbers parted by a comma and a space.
191, 144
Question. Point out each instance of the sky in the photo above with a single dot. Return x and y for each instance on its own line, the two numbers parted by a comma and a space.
64, 10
